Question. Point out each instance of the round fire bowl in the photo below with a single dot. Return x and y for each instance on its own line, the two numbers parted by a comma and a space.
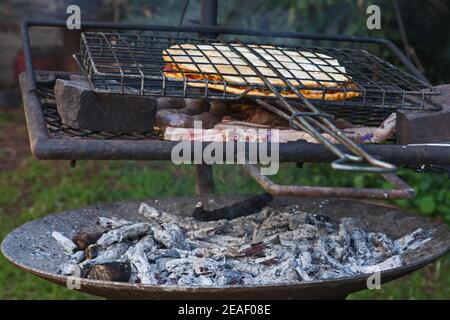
31, 247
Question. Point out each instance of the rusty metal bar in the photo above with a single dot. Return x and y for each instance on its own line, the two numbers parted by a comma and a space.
204, 179
402, 191
45, 147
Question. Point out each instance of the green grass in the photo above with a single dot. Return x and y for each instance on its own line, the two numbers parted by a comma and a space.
38, 188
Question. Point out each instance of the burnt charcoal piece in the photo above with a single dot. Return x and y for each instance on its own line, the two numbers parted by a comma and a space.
238, 209
91, 252
85, 239
126, 232
111, 271
110, 254
82, 108
64, 242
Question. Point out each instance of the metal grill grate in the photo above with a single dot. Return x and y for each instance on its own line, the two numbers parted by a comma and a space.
57, 130
134, 64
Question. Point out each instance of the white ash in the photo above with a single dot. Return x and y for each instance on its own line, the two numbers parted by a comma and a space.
283, 245
124, 233
109, 223
77, 257
148, 211
68, 245
110, 254
142, 269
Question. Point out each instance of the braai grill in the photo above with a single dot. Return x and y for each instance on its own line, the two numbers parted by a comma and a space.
131, 63
127, 59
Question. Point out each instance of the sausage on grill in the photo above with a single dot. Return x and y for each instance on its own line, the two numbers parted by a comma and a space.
209, 113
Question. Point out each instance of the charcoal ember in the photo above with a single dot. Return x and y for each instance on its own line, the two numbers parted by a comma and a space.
344, 232
243, 208
382, 246
335, 250
85, 239
411, 241
204, 267
148, 211
249, 268
303, 268
82, 108
161, 263
280, 252
187, 280
110, 223
253, 249
170, 235
296, 220
78, 256
230, 277
208, 230
162, 253
68, 245
359, 238
390, 263
112, 271
91, 251
276, 222
181, 266
268, 259
124, 233
226, 240
319, 220
111, 254
70, 269
282, 273
306, 232
136, 255
216, 251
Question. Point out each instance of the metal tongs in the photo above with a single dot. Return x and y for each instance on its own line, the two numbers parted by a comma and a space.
354, 159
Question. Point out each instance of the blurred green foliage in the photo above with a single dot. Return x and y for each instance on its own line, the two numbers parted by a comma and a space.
426, 23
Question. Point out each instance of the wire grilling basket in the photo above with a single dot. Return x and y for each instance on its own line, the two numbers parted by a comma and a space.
131, 63
138, 64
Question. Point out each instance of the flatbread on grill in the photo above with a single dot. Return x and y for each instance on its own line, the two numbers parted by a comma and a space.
218, 63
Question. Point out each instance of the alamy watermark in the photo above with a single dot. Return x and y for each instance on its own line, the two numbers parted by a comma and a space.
73, 282
262, 147
374, 281
73, 21
373, 22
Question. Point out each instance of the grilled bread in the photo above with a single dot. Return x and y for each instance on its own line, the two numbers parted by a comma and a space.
234, 72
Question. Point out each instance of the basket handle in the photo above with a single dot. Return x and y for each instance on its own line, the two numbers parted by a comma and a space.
374, 166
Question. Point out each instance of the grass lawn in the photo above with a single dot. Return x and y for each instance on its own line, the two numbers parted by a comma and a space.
35, 188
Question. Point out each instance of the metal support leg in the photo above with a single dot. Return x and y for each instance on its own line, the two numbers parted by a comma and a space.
208, 16
204, 183
204, 175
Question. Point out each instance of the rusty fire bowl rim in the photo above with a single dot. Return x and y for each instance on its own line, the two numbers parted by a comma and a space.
91, 286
